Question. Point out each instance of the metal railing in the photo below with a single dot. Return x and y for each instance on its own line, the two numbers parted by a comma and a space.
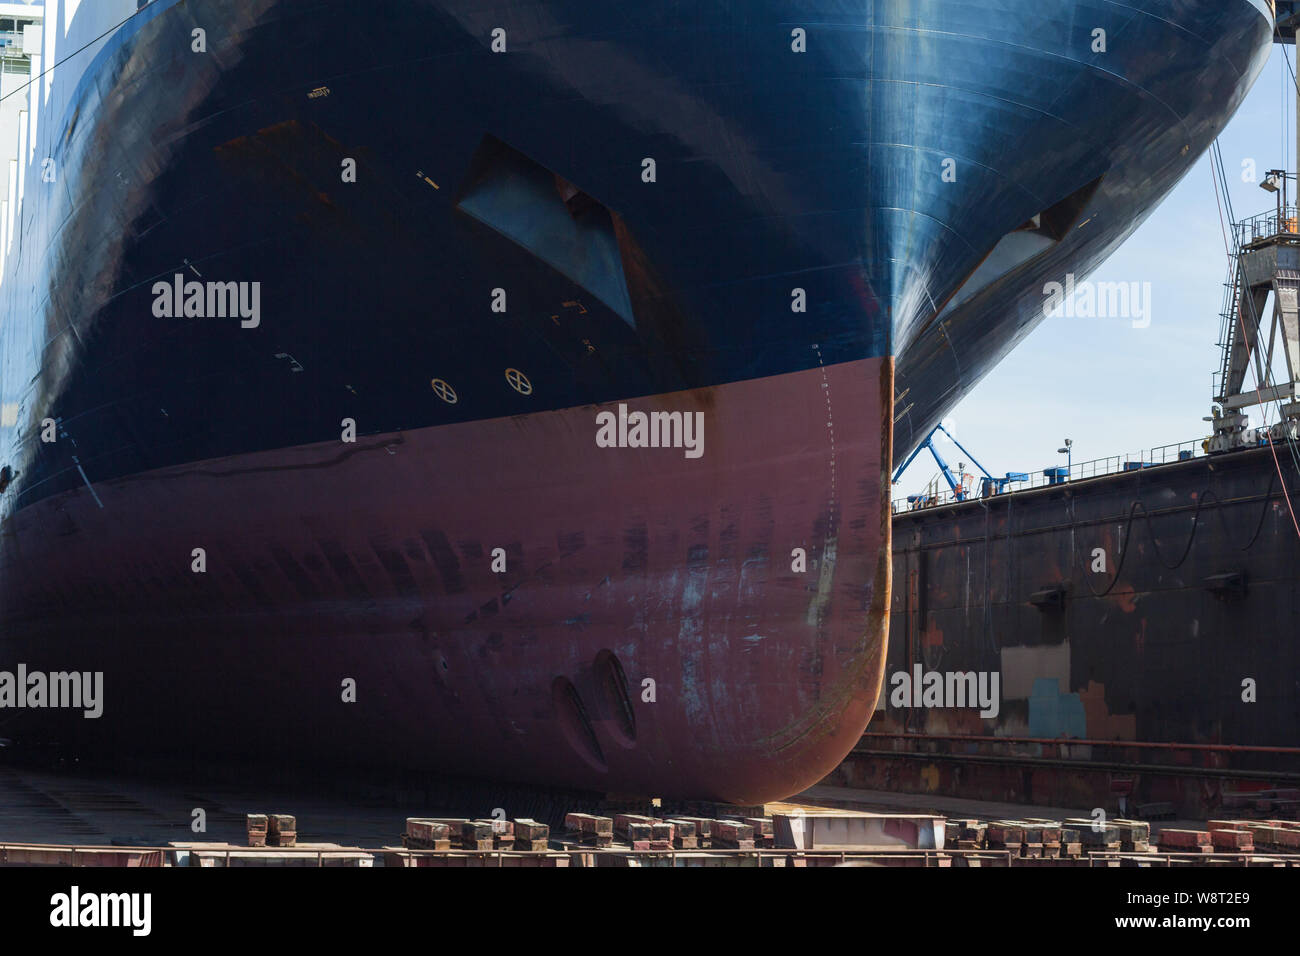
21, 854
1060, 475
63, 854
29, 854
1268, 225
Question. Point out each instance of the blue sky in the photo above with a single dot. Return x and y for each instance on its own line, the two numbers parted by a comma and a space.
1111, 387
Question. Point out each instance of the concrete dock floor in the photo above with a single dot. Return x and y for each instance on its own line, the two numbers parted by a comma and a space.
50, 807
64, 807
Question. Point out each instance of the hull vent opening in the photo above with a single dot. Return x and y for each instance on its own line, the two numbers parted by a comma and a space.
1032, 238
553, 219
576, 724
618, 701
1056, 221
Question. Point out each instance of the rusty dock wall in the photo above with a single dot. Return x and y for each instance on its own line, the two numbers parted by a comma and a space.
1142, 629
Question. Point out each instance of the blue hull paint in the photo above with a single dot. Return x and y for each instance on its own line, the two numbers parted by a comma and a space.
776, 171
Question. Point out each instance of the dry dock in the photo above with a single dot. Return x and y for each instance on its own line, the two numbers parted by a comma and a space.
57, 819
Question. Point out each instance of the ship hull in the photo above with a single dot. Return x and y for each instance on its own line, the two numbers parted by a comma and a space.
355, 612
465, 246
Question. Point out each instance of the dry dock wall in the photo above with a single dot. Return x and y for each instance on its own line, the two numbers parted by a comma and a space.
1149, 616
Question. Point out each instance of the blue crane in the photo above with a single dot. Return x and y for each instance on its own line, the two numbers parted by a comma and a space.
989, 484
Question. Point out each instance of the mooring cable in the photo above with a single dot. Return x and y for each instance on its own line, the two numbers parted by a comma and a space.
1191, 538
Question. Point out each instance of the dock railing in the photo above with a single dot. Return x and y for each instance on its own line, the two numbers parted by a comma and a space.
1268, 225
1061, 474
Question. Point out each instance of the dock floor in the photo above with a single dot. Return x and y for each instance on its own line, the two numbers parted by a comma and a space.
99, 809
58, 807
